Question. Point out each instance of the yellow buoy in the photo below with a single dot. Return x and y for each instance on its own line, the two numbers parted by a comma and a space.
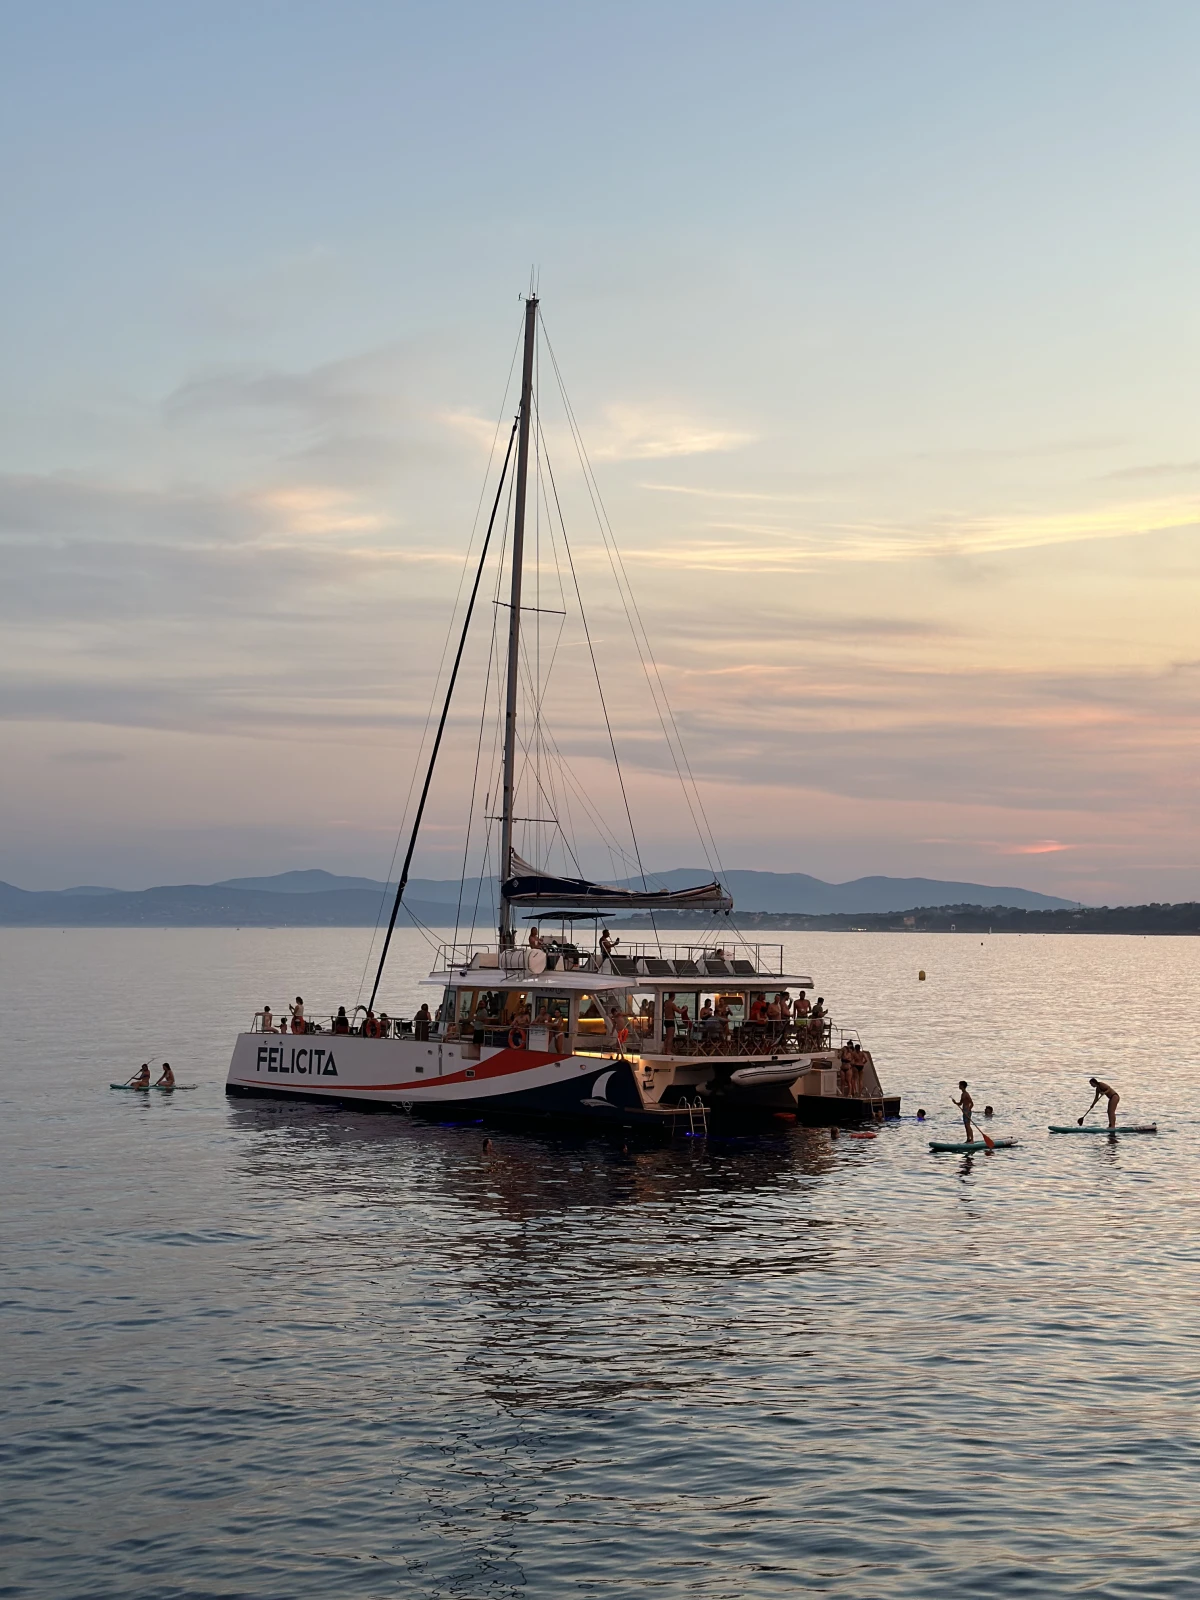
921, 975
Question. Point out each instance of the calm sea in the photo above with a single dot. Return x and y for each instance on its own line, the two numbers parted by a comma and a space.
253, 1350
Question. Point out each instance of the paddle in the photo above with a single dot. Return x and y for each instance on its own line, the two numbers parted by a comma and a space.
976, 1133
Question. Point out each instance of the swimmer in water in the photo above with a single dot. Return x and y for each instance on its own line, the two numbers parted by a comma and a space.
1114, 1100
988, 1112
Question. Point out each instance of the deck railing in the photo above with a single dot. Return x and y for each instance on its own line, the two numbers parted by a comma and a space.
709, 965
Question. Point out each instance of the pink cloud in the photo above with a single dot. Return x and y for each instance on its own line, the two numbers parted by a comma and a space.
1040, 847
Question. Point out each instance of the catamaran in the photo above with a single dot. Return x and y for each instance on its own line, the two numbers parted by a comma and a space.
574, 1023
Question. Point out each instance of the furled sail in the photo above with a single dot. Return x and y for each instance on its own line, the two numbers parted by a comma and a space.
528, 886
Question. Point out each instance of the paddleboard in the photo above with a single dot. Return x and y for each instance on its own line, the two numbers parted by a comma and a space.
975, 1144
144, 1088
1102, 1127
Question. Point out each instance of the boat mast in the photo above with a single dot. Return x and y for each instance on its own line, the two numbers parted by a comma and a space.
514, 623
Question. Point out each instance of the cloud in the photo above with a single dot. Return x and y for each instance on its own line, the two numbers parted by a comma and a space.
1161, 469
642, 433
773, 547
89, 758
1040, 847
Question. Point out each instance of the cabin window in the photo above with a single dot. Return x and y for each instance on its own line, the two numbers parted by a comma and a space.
735, 1004
592, 1020
550, 1008
641, 1014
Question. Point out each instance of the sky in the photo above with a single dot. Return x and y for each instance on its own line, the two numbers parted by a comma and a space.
879, 323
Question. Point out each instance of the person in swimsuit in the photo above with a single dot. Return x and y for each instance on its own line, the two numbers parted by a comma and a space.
1114, 1099
670, 1013
166, 1077
968, 1105
141, 1079
268, 1021
297, 1012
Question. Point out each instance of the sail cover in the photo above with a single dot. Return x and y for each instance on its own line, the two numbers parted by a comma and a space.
528, 886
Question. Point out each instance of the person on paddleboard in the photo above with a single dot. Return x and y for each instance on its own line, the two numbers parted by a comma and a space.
166, 1078
967, 1105
1114, 1099
141, 1078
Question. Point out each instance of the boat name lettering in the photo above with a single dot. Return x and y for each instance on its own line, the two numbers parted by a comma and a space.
302, 1059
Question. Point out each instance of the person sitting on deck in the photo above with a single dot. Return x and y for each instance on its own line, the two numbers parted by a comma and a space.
713, 1028
706, 1010
385, 1025
535, 939
341, 1023
370, 1026
421, 1024
268, 1021
166, 1078
297, 1012
758, 1011
607, 943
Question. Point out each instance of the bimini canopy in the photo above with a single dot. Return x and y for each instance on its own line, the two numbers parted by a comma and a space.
529, 887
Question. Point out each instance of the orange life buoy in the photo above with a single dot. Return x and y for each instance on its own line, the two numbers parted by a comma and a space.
516, 1037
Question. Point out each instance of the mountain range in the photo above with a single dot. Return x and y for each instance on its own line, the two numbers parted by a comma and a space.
314, 898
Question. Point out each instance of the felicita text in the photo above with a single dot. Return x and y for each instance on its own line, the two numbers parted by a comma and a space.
281, 1058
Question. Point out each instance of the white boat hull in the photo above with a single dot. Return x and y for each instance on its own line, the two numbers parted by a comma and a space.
416, 1075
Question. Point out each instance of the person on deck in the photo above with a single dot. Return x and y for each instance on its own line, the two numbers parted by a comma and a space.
818, 1011
802, 1006
166, 1078
535, 940
268, 1021
421, 1024
341, 1023
297, 1012
856, 1060
1114, 1099
607, 943
385, 1025
967, 1105
670, 1013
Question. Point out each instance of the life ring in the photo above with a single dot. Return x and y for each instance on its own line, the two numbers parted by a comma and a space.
517, 1037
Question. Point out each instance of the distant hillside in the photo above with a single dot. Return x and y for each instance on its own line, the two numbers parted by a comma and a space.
314, 898
1183, 918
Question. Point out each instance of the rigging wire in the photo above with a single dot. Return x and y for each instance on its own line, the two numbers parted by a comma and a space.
437, 742
640, 634
433, 696
612, 743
